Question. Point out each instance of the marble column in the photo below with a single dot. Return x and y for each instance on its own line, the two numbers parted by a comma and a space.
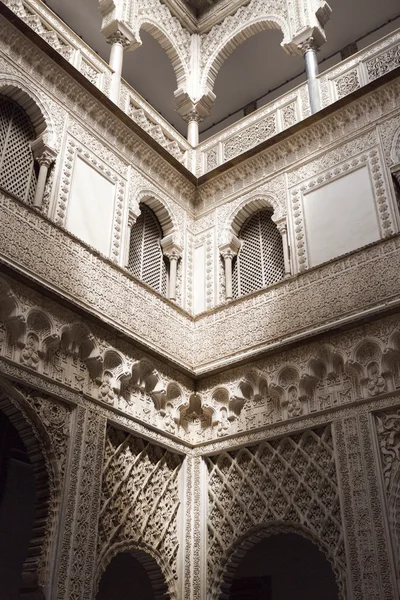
173, 252
228, 253
193, 120
282, 228
45, 156
310, 49
118, 42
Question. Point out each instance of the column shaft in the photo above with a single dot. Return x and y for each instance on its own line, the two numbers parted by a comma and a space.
310, 57
173, 261
193, 132
41, 182
228, 277
116, 61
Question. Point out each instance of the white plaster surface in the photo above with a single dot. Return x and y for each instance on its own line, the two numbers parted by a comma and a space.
340, 216
199, 272
91, 206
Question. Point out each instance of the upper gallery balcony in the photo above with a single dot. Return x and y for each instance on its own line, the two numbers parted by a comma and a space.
238, 137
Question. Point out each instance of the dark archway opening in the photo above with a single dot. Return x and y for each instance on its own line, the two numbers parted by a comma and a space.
125, 578
283, 567
17, 508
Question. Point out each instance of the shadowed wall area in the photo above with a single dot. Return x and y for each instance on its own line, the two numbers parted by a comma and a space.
284, 567
124, 579
17, 502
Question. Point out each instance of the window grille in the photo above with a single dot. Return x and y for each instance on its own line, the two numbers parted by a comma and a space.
146, 260
17, 174
260, 260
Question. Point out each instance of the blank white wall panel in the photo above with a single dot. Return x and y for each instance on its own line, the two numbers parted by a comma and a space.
340, 216
91, 206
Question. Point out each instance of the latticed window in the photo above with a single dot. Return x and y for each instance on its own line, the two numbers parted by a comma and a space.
260, 260
17, 173
146, 260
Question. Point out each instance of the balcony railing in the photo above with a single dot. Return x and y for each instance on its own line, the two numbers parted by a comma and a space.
60, 37
291, 108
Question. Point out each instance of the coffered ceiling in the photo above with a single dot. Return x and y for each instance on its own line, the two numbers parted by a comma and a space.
256, 67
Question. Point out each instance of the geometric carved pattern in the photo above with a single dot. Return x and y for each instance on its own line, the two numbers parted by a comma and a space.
139, 500
17, 174
146, 260
260, 259
388, 428
292, 479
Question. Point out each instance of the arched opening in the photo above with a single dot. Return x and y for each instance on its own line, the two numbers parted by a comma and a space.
146, 260
255, 71
148, 69
282, 566
17, 508
17, 165
133, 574
260, 260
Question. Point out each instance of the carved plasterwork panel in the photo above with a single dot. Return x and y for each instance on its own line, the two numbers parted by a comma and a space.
345, 122
292, 479
388, 429
368, 548
139, 500
67, 93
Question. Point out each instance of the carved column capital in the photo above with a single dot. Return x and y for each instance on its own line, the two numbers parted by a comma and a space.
309, 45
230, 249
46, 158
44, 154
282, 226
171, 249
193, 116
119, 38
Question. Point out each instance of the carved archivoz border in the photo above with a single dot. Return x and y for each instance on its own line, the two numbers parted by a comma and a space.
373, 160
73, 150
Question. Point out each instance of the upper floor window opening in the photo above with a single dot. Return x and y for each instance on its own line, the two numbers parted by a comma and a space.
146, 259
17, 165
260, 261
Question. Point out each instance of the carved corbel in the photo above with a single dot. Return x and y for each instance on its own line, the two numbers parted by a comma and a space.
173, 252
228, 252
